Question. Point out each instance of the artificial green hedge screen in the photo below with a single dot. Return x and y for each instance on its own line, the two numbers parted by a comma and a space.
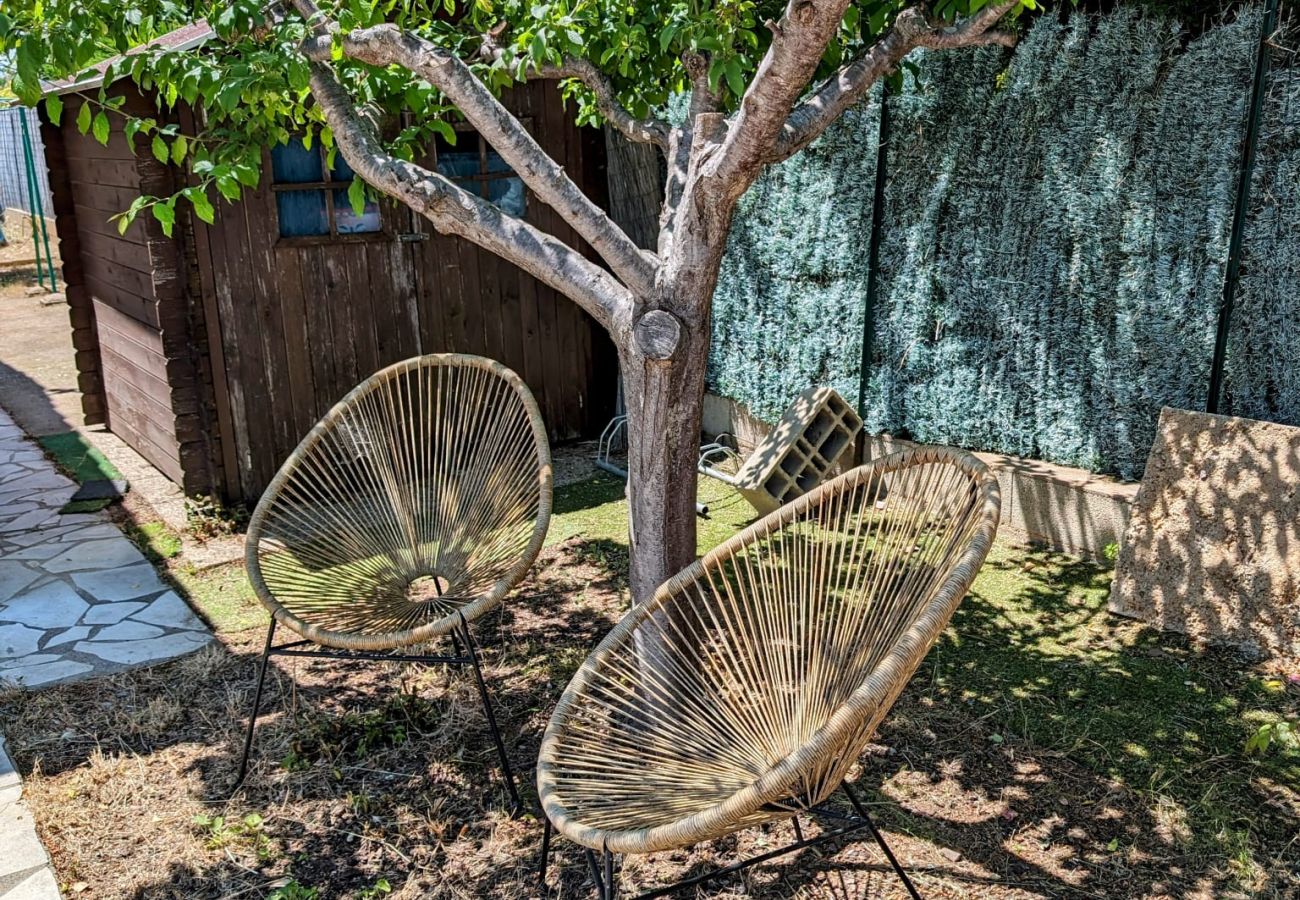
1052, 251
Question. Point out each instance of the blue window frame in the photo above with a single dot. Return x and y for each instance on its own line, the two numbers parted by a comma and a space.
475, 166
311, 197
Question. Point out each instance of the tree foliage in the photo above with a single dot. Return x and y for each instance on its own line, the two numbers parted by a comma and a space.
251, 80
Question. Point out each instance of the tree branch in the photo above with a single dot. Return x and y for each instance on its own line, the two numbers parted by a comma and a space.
453, 210
852, 81
385, 45
798, 41
649, 130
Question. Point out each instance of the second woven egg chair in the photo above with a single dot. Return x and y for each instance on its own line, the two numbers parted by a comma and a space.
746, 689
406, 513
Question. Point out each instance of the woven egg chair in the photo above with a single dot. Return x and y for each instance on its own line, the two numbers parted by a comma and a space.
406, 513
744, 691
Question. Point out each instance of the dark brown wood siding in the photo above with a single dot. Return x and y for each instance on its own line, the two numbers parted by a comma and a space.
132, 289
301, 323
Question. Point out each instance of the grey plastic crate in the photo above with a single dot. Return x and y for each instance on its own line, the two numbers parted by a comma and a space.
815, 432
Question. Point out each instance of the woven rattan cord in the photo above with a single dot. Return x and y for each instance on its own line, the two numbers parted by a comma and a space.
591, 790
444, 453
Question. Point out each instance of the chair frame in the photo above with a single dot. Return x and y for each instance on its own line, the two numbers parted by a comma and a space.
601, 867
872, 700
318, 644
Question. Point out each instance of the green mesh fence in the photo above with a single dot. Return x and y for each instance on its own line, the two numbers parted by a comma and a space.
788, 312
1262, 374
1052, 253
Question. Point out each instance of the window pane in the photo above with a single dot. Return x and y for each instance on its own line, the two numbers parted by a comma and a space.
302, 213
292, 163
456, 164
348, 222
495, 164
341, 171
508, 193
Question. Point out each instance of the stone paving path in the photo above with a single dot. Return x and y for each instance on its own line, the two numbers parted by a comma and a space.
25, 872
76, 597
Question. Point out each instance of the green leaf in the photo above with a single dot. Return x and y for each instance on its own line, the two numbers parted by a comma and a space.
83, 117
166, 215
202, 205
160, 151
100, 127
54, 108
735, 78
357, 196
179, 147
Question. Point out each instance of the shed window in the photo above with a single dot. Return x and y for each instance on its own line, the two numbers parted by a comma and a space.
312, 197
475, 166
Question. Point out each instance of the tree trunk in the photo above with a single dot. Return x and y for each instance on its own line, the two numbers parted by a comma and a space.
665, 401
664, 364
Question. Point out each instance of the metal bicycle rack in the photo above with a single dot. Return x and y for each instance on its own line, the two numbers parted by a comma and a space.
719, 450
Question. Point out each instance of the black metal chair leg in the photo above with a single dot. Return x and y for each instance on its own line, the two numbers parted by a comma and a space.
611, 886
880, 840
546, 853
256, 710
506, 771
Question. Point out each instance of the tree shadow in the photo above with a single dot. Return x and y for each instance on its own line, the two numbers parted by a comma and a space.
353, 783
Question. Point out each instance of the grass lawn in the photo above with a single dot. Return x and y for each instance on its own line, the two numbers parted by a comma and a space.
1044, 749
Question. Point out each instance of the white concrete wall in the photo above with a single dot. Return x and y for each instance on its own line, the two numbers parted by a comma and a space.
1063, 508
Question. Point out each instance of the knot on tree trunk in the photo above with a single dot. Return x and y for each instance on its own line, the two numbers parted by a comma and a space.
657, 335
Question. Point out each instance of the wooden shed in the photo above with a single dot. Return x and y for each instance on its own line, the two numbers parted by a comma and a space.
212, 352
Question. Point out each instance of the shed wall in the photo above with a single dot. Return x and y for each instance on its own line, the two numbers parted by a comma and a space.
141, 371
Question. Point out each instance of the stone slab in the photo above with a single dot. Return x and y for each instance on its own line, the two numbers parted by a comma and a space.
25, 872
53, 605
125, 583
1212, 548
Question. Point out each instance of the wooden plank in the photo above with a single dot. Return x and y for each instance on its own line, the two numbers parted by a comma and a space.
110, 199
319, 330
143, 257
152, 397
97, 221
266, 287
337, 296
297, 342
144, 437
242, 355
142, 309
158, 284
363, 288
227, 471
147, 416
115, 173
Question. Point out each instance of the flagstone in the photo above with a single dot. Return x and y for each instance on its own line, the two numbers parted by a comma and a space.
125, 583
170, 611
133, 652
53, 605
127, 631
106, 554
110, 613
46, 673
75, 633
14, 576
18, 640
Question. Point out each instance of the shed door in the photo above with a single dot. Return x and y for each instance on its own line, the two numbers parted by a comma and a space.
472, 301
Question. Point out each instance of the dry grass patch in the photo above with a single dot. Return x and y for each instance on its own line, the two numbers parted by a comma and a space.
1044, 749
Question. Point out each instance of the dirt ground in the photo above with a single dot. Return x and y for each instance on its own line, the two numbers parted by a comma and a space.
381, 780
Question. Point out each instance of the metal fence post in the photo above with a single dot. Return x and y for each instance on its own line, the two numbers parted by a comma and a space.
40, 231
1232, 277
873, 250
